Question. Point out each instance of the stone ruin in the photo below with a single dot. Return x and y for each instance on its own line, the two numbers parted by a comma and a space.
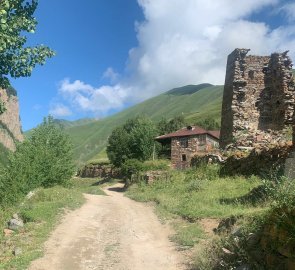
258, 100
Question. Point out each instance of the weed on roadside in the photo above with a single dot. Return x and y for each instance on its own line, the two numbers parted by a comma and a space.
40, 214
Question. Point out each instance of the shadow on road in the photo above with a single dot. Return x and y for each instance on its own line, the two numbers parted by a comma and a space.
117, 189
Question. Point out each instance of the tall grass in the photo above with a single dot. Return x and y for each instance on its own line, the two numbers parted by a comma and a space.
40, 214
198, 194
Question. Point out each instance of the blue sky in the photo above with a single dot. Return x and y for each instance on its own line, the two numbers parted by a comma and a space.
113, 53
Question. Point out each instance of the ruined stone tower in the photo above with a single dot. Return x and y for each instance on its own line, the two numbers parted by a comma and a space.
258, 98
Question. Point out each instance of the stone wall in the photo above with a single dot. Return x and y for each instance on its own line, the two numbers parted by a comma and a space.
99, 170
182, 154
258, 99
10, 126
262, 162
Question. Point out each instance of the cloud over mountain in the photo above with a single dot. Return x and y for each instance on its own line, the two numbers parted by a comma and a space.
184, 42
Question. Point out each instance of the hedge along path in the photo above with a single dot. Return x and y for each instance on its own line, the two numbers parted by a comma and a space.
110, 232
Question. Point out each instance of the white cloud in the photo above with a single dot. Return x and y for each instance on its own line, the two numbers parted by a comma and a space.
183, 42
59, 110
111, 75
289, 10
87, 98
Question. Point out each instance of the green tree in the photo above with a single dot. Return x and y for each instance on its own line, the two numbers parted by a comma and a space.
134, 139
117, 149
142, 139
164, 126
17, 60
44, 159
209, 124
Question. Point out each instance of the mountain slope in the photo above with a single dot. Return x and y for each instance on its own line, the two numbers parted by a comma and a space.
67, 124
194, 102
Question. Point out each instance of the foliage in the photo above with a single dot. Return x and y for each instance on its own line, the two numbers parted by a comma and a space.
133, 140
272, 229
16, 18
130, 167
205, 197
164, 126
117, 149
4, 153
208, 124
157, 164
40, 213
44, 159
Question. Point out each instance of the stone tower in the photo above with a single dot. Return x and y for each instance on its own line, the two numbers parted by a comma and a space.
258, 98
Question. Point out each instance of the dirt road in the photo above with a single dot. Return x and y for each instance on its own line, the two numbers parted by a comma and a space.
110, 232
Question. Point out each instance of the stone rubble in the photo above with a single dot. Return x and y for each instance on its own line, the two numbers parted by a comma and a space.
15, 223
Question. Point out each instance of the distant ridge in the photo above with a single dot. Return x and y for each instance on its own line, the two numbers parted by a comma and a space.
67, 124
188, 89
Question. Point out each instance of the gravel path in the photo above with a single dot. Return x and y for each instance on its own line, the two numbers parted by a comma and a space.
110, 232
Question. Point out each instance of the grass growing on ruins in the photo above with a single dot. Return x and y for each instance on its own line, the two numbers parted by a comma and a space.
40, 214
200, 194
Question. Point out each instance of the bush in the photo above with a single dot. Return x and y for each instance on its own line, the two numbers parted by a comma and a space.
133, 140
44, 159
130, 167
155, 165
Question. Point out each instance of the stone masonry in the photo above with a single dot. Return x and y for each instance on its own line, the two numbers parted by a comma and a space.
181, 154
258, 99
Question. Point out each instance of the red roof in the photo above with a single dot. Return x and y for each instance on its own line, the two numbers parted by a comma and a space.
189, 131
214, 133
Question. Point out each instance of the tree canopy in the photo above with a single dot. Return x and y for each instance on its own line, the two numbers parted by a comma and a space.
132, 140
17, 60
164, 126
44, 159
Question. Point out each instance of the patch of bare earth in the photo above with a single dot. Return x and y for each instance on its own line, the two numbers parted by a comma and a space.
209, 224
110, 232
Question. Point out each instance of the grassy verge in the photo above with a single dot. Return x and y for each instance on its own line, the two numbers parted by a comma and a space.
188, 198
201, 194
40, 214
88, 185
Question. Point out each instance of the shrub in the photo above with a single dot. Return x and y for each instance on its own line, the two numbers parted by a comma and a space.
44, 159
154, 165
133, 140
130, 167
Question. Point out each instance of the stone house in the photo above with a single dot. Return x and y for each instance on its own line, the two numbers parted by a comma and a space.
188, 142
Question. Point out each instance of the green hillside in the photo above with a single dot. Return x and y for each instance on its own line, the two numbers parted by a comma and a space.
67, 124
194, 102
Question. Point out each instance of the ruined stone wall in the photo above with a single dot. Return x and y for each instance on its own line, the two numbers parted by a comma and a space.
258, 99
99, 171
10, 126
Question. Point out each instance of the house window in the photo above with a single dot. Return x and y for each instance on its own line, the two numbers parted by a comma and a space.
183, 157
184, 142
